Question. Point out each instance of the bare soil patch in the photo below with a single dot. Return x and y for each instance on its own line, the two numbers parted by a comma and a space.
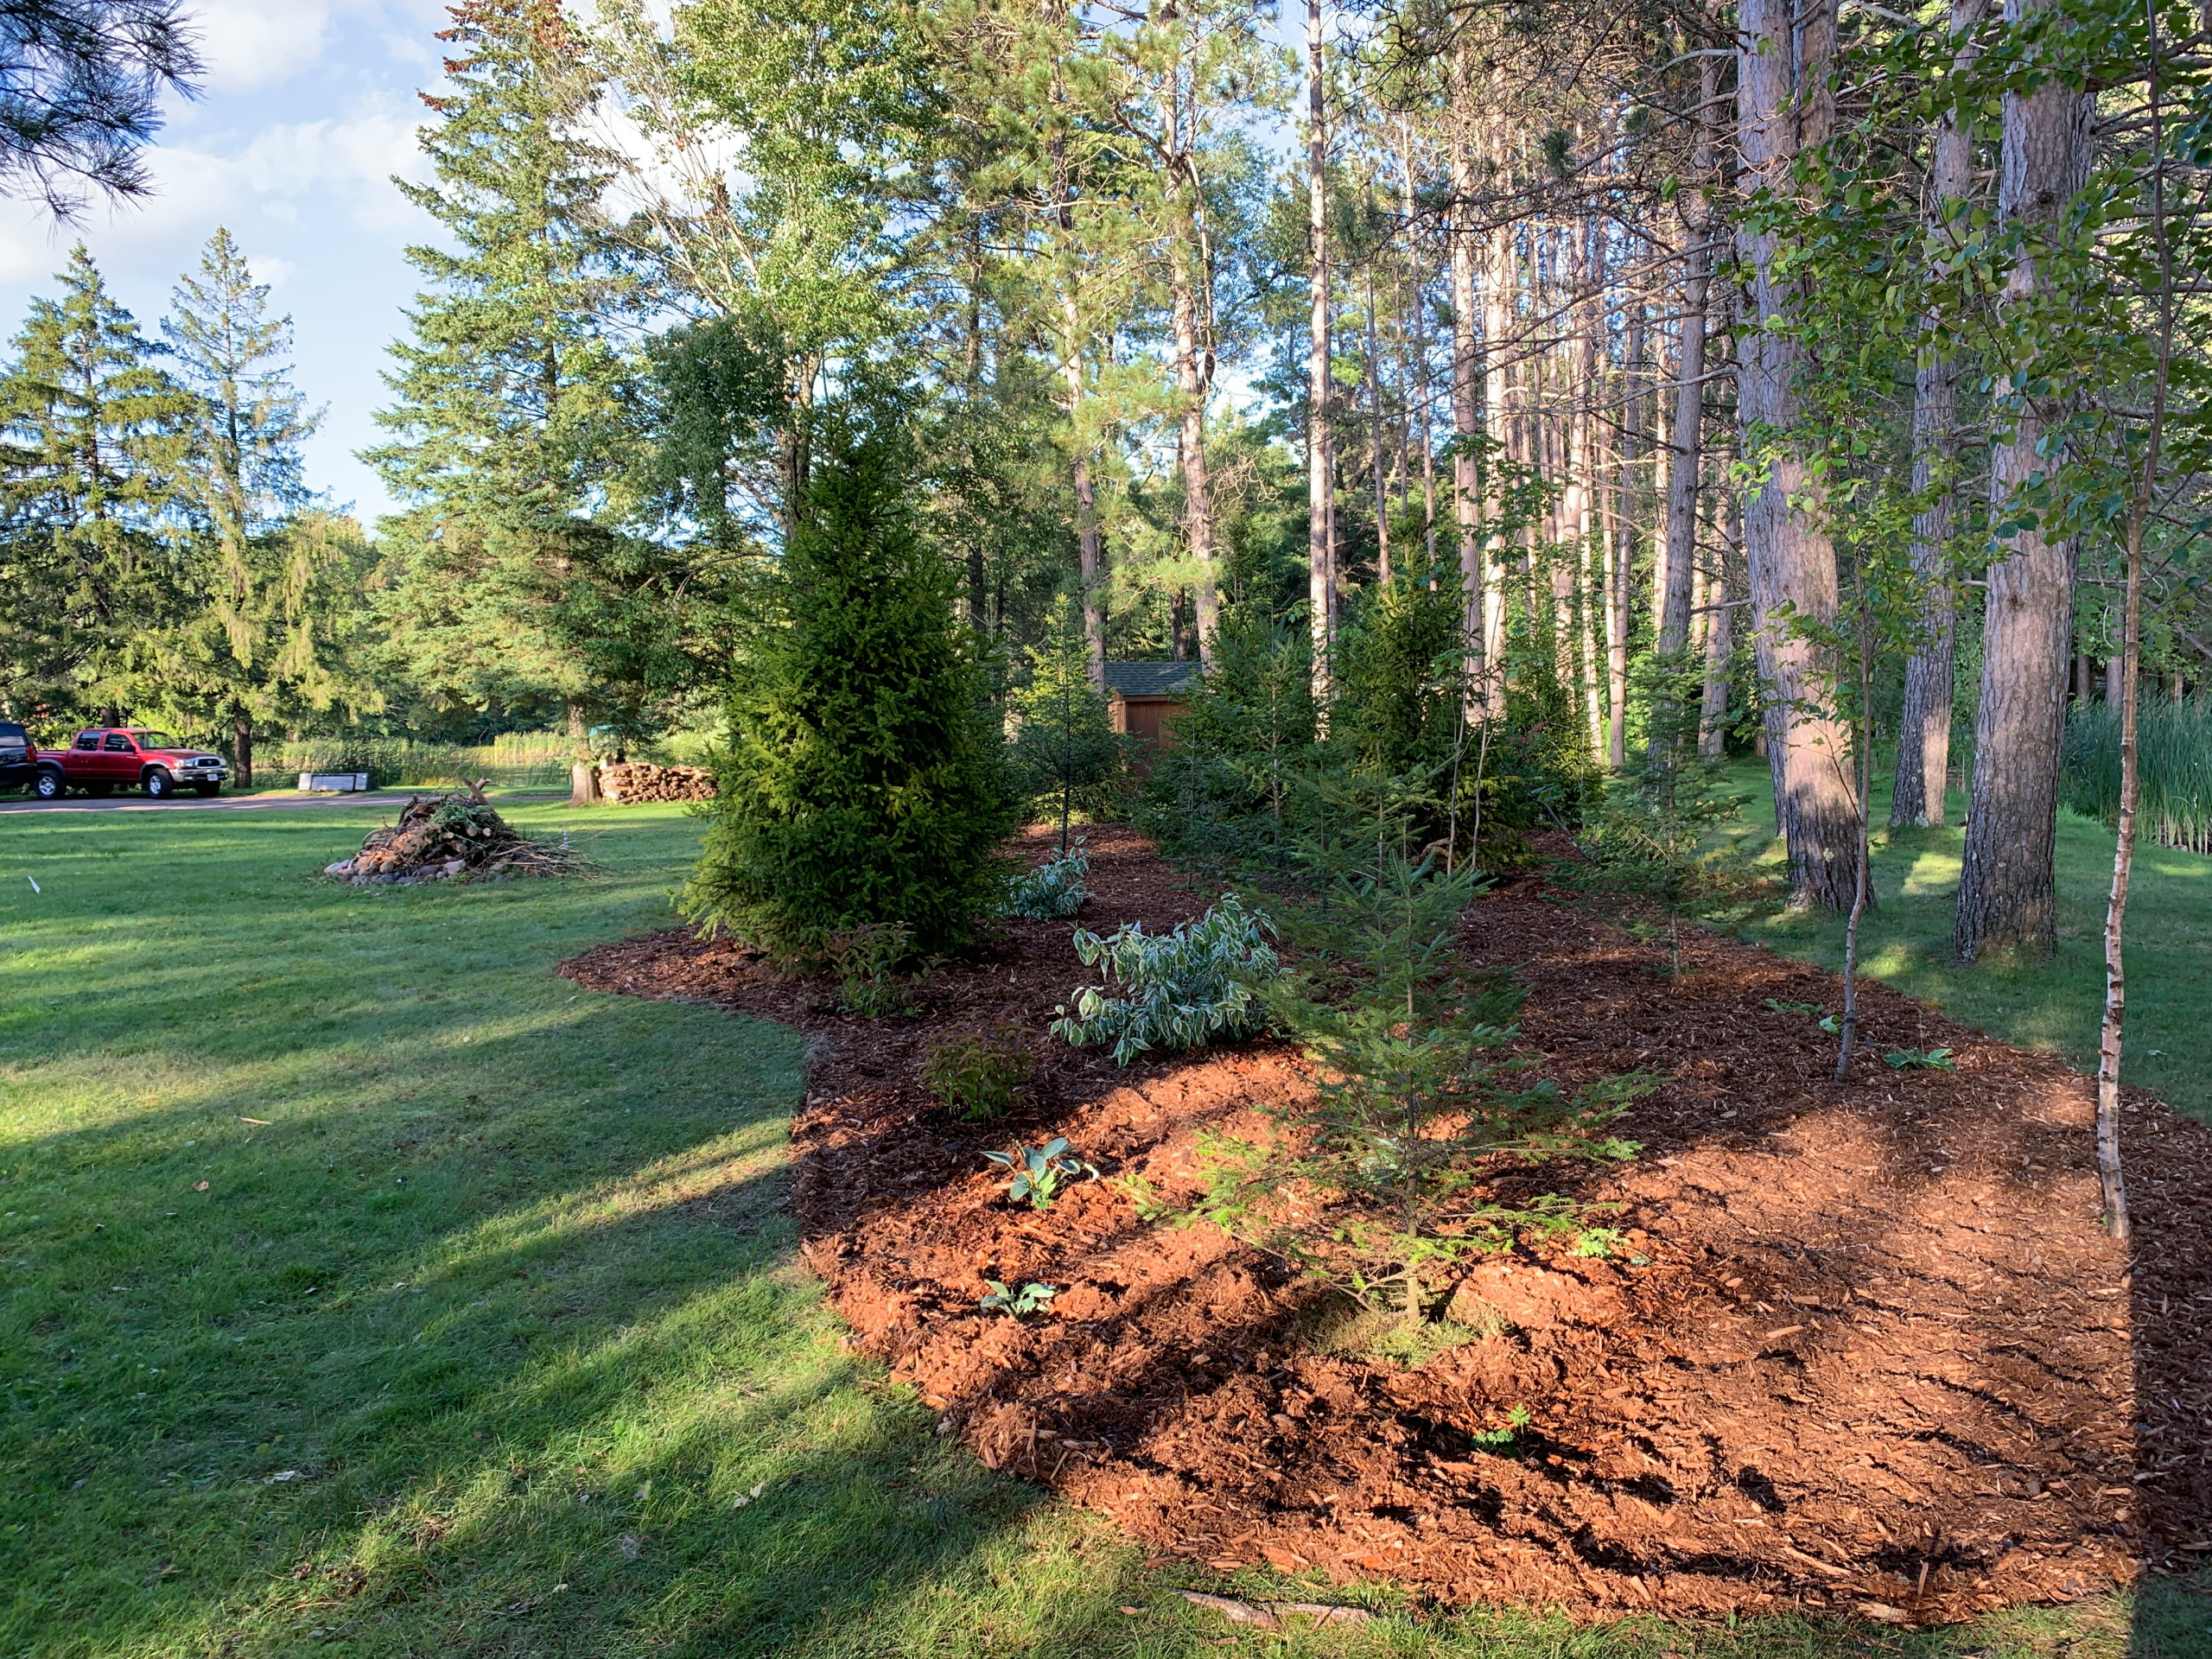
1879, 1357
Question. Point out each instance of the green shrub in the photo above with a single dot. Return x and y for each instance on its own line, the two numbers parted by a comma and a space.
1189, 987
1068, 755
864, 783
866, 959
1051, 891
1386, 1178
976, 1072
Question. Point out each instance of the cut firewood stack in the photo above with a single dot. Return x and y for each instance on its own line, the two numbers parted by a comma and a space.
627, 782
451, 838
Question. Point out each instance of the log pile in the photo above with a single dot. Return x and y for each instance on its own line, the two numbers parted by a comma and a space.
450, 838
627, 782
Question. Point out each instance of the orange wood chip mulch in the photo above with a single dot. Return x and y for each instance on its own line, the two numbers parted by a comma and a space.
1880, 1358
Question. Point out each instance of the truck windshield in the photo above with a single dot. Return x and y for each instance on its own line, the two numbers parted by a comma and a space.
157, 740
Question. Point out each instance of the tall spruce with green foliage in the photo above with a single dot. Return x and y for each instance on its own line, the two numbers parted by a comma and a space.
506, 436
864, 783
94, 438
1065, 749
272, 587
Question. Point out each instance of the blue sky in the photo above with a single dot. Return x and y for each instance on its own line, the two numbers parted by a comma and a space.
310, 107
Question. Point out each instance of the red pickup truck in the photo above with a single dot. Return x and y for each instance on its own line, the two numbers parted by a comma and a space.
109, 757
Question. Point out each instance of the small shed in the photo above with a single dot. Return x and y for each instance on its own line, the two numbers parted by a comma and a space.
1145, 696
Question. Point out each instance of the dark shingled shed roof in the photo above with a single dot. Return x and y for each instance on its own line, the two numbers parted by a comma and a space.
1148, 679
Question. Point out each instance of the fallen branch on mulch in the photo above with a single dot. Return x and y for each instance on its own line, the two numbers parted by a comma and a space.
1857, 1347
451, 838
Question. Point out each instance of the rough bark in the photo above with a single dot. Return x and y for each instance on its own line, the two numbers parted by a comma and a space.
2008, 878
1782, 107
1375, 434
1321, 546
1621, 596
242, 748
1191, 304
1465, 413
1719, 657
1194, 384
1504, 434
1686, 453
1089, 550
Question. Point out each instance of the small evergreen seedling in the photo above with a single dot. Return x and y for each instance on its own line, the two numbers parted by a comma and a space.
1065, 748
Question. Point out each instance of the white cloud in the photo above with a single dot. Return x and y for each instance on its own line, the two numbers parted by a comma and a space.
251, 43
283, 169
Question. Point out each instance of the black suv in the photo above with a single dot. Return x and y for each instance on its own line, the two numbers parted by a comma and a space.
18, 759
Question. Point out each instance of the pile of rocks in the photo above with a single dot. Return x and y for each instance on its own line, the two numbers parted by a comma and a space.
450, 838
626, 782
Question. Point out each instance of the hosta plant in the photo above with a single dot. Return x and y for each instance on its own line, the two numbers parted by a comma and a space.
1051, 891
1040, 1171
1186, 989
1032, 1298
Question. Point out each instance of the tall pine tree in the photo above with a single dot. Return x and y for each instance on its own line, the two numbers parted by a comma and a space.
93, 509
508, 389
266, 588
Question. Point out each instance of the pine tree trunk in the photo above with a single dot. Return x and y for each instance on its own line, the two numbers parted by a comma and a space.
2008, 878
242, 747
1719, 655
1375, 432
1193, 380
1621, 598
1504, 435
1465, 412
1924, 724
1685, 452
1783, 106
1320, 459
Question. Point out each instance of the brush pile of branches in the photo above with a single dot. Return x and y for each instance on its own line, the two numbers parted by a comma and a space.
626, 782
451, 838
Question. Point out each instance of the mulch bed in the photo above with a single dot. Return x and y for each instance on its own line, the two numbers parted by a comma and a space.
1881, 1359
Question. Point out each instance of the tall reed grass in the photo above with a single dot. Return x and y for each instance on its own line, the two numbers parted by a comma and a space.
2173, 759
517, 760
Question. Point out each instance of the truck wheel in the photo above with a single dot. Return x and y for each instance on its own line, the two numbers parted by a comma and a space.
47, 787
159, 784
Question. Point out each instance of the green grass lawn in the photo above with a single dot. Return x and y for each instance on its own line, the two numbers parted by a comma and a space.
2055, 1006
366, 1289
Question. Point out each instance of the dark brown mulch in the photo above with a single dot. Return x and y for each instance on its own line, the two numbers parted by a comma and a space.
1881, 1358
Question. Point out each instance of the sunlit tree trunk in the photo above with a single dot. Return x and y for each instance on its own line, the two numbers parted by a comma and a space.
1320, 459
2008, 877
1466, 513
1784, 107
1621, 599
1924, 724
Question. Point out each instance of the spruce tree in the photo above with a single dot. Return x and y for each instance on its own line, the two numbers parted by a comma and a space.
510, 387
93, 435
864, 783
256, 644
1065, 749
